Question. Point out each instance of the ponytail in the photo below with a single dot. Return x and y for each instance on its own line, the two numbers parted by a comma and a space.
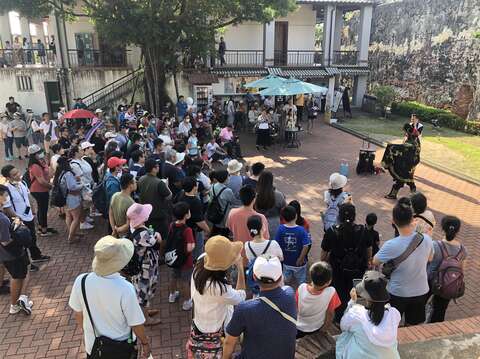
376, 311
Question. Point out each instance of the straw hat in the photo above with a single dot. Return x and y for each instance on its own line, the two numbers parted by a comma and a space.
138, 213
111, 255
337, 181
234, 166
221, 253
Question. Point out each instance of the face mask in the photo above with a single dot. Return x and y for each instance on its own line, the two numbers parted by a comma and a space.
41, 156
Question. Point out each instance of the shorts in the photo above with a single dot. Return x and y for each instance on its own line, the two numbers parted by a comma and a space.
20, 141
299, 273
18, 267
182, 273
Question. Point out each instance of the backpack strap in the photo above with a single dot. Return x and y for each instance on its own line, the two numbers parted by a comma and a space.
251, 249
414, 243
84, 294
266, 247
459, 256
424, 219
277, 309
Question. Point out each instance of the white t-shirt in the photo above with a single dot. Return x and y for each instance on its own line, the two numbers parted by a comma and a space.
262, 123
5, 129
82, 169
19, 201
113, 304
46, 127
213, 309
312, 307
258, 247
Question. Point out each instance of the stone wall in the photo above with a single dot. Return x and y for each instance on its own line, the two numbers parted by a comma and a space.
427, 51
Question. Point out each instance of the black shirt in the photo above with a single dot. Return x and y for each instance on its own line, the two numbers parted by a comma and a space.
171, 173
247, 181
374, 238
64, 143
196, 211
12, 107
94, 166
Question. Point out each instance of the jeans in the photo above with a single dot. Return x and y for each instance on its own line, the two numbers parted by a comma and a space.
199, 245
299, 273
42, 199
8, 143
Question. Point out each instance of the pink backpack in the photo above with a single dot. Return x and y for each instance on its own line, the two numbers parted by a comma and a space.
448, 280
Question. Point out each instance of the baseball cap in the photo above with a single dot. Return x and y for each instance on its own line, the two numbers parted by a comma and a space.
267, 270
115, 162
86, 144
98, 110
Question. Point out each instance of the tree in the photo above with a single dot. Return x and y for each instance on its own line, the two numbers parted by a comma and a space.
385, 96
170, 33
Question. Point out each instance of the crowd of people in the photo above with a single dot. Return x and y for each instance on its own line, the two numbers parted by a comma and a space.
173, 190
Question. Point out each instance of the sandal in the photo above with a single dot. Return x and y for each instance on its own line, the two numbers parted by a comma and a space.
153, 312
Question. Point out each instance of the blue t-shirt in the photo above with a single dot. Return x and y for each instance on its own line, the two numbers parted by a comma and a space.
266, 334
292, 240
410, 277
181, 109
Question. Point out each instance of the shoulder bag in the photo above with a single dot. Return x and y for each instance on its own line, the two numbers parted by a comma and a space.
393, 264
277, 309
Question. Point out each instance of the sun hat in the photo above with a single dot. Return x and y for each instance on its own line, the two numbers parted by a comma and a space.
115, 162
32, 149
337, 181
267, 270
86, 144
111, 255
98, 110
221, 253
179, 158
373, 287
234, 166
138, 213
110, 134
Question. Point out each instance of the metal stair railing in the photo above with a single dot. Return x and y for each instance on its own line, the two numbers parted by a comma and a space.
103, 97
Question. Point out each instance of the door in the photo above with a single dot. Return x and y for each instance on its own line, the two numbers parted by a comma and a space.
53, 96
281, 43
85, 54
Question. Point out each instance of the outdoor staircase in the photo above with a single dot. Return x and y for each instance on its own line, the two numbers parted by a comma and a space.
105, 97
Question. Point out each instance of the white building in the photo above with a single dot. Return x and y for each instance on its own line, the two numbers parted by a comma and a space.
82, 65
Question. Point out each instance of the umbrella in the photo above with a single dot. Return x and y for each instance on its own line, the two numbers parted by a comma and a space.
269, 81
293, 87
79, 113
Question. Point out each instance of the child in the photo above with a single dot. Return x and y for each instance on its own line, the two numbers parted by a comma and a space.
372, 235
294, 241
179, 231
334, 198
192, 143
316, 301
301, 221
258, 246
425, 219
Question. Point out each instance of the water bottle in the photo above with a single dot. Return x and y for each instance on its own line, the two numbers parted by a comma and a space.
344, 169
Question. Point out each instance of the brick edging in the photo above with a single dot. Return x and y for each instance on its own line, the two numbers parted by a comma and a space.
426, 332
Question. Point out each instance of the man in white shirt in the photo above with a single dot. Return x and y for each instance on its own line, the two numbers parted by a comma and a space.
111, 299
19, 206
184, 127
49, 129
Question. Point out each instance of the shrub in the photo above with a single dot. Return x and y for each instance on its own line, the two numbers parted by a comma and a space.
385, 95
444, 118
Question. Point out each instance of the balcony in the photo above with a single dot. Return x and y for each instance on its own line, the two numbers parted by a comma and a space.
98, 58
240, 58
345, 58
27, 58
298, 58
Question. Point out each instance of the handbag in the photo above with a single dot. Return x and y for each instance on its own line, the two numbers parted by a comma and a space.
392, 264
104, 347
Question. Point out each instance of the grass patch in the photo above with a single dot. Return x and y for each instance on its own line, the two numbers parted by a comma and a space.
451, 149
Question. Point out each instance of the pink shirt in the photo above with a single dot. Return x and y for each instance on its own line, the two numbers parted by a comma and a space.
237, 223
225, 134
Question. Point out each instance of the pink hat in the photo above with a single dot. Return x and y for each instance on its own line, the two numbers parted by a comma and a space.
138, 213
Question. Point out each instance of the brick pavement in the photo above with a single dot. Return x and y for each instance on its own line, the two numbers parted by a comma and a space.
301, 174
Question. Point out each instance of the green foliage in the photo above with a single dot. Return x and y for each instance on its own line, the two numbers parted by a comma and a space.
318, 35
385, 95
476, 34
35, 9
445, 118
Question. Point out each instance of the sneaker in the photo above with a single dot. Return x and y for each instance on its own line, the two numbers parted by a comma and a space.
85, 225
34, 268
26, 300
41, 259
14, 309
89, 220
172, 297
187, 305
24, 306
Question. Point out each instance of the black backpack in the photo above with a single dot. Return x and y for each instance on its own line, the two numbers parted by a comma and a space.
353, 262
134, 267
99, 198
27, 179
57, 197
215, 213
175, 251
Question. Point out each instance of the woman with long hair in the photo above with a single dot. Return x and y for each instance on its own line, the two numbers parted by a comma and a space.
71, 186
213, 297
269, 201
369, 331
348, 251
263, 130
40, 186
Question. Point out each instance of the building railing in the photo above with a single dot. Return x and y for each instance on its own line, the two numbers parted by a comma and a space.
239, 58
98, 58
298, 58
345, 58
28, 57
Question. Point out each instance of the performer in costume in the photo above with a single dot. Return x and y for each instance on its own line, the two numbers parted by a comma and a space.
401, 159
417, 126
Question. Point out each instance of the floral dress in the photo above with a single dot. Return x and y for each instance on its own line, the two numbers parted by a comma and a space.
145, 282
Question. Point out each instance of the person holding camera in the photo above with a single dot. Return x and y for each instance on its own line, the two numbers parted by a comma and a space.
13, 240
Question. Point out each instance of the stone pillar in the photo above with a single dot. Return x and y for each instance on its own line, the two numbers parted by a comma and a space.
337, 35
328, 32
331, 91
269, 43
359, 89
364, 35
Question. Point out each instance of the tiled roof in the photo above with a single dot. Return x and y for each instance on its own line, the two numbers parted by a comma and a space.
339, 1
298, 73
354, 71
238, 72
332, 71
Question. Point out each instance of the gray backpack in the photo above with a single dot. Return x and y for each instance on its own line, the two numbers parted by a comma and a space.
331, 214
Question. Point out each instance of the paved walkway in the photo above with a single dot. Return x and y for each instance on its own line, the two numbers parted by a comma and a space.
301, 174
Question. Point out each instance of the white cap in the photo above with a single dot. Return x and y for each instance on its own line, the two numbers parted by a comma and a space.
86, 144
110, 134
267, 270
98, 110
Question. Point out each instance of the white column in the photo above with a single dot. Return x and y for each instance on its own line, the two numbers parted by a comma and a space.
328, 31
337, 35
269, 43
24, 24
364, 35
359, 89
331, 92
5, 32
